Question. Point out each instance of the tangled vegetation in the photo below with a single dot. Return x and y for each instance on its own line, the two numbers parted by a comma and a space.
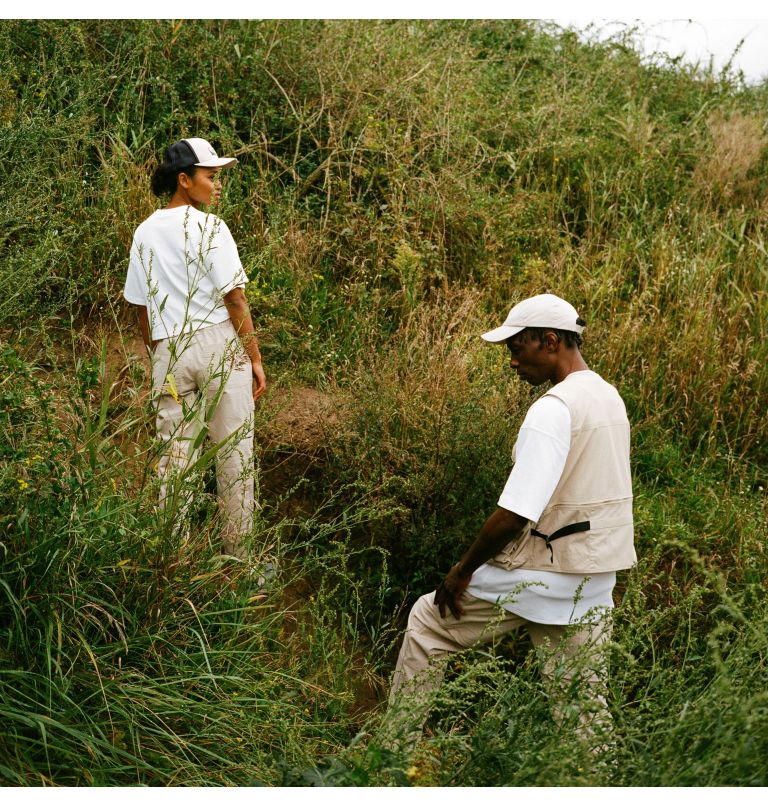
400, 185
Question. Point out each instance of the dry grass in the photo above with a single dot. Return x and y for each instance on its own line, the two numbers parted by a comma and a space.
737, 141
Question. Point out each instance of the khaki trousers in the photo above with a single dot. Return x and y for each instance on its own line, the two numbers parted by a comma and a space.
202, 386
570, 653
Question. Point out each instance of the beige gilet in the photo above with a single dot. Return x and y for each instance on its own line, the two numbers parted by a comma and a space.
594, 494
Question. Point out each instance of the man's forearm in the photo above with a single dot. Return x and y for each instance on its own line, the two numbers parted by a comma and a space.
501, 528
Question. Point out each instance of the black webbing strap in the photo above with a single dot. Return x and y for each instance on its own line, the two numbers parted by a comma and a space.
583, 526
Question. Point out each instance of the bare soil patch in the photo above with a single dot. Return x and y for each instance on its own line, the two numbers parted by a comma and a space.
301, 418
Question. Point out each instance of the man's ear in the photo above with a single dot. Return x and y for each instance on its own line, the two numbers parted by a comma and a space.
551, 341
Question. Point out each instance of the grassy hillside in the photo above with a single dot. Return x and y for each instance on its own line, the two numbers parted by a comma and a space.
400, 185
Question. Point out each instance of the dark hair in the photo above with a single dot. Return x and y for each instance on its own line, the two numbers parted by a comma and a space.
179, 158
166, 177
570, 337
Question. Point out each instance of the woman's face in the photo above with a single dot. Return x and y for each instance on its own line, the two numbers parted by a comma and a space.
201, 188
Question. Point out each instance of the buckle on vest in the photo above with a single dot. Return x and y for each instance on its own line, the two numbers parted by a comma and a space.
565, 531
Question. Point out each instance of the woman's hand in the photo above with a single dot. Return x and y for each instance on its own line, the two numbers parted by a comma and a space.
259, 379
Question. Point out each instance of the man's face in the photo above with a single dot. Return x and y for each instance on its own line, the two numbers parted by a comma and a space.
530, 358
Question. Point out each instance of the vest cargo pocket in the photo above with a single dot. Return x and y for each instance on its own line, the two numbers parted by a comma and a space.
516, 553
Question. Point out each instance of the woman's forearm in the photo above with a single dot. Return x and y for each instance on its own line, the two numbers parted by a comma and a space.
240, 315
146, 332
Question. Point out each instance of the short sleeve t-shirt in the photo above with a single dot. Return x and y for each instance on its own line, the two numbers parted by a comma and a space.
182, 264
545, 597
539, 455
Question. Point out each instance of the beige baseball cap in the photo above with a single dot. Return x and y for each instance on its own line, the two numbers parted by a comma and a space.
543, 310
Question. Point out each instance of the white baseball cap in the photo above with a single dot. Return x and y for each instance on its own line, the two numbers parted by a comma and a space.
195, 151
543, 310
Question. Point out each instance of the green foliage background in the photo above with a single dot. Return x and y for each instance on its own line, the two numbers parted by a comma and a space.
400, 185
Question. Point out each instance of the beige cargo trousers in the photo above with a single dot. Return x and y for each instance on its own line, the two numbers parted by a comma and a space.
570, 655
202, 386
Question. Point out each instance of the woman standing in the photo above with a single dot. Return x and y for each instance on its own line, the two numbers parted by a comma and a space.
187, 280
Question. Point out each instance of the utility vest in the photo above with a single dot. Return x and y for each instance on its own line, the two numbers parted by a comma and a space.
587, 525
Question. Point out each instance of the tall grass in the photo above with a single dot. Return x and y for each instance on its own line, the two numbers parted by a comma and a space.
400, 185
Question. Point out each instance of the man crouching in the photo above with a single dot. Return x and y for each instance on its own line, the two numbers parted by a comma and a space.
549, 553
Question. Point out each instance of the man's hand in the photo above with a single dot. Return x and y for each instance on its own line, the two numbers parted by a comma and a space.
497, 531
259, 379
449, 592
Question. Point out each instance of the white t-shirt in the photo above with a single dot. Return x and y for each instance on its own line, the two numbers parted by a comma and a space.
182, 264
546, 597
